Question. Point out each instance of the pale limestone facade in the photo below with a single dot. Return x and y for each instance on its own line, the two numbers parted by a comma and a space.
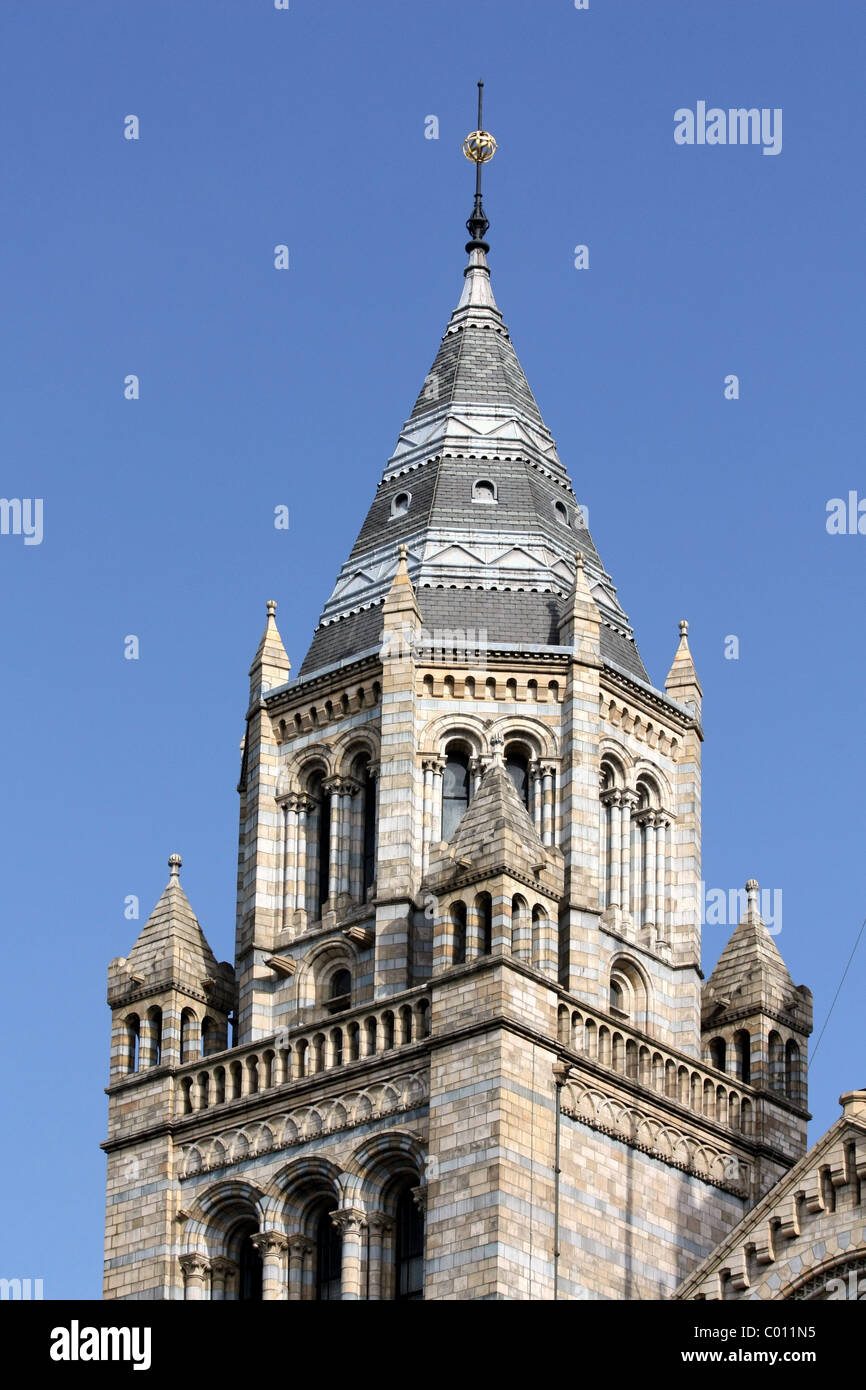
468, 927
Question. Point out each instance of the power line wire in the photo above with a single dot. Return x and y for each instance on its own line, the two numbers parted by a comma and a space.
839, 990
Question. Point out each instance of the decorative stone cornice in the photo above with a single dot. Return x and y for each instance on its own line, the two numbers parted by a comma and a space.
603, 1110
286, 1130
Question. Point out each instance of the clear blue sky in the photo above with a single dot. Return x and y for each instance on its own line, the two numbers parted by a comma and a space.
261, 388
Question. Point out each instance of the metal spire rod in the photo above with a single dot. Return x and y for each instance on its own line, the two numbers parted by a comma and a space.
479, 146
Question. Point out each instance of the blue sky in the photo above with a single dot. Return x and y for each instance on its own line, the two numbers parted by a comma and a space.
260, 388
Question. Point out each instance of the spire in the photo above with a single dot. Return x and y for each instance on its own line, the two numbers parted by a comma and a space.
271, 665
171, 944
750, 972
476, 489
682, 682
401, 601
479, 147
580, 623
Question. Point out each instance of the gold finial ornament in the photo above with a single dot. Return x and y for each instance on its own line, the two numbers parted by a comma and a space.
479, 146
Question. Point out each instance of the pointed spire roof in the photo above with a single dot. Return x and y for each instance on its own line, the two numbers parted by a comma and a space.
496, 835
497, 558
682, 682
750, 972
172, 949
270, 665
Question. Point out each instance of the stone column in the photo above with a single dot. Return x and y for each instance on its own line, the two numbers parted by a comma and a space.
537, 795
474, 943
300, 1257
304, 807
613, 799
427, 815
380, 1227
332, 787
351, 1223
272, 1246
223, 1278
476, 772
346, 795
196, 1271
290, 863
629, 802
436, 817
548, 775
650, 870
661, 866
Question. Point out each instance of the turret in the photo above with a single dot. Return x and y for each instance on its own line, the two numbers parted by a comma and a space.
170, 1001
755, 1024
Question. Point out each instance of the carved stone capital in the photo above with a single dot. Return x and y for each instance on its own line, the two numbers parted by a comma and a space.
380, 1224
223, 1266
270, 1243
195, 1266
612, 796
419, 1196
349, 1220
300, 1245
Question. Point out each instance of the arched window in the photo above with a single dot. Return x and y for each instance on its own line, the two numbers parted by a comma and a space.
743, 1054
153, 1040
455, 790
483, 490
458, 927
329, 1256
777, 1062
618, 998
318, 845
561, 512
339, 992
249, 1261
517, 767
132, 1028
400, 504
792, 1071
718, 1053
210, 1037
409, 1248
484, 914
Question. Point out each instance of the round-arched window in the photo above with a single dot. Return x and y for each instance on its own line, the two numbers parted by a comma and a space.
340, 991
400, 504
483, 490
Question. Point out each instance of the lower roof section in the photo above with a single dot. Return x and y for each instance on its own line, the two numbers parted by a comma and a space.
509, 619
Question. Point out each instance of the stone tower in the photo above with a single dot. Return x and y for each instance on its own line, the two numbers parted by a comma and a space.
468, 926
